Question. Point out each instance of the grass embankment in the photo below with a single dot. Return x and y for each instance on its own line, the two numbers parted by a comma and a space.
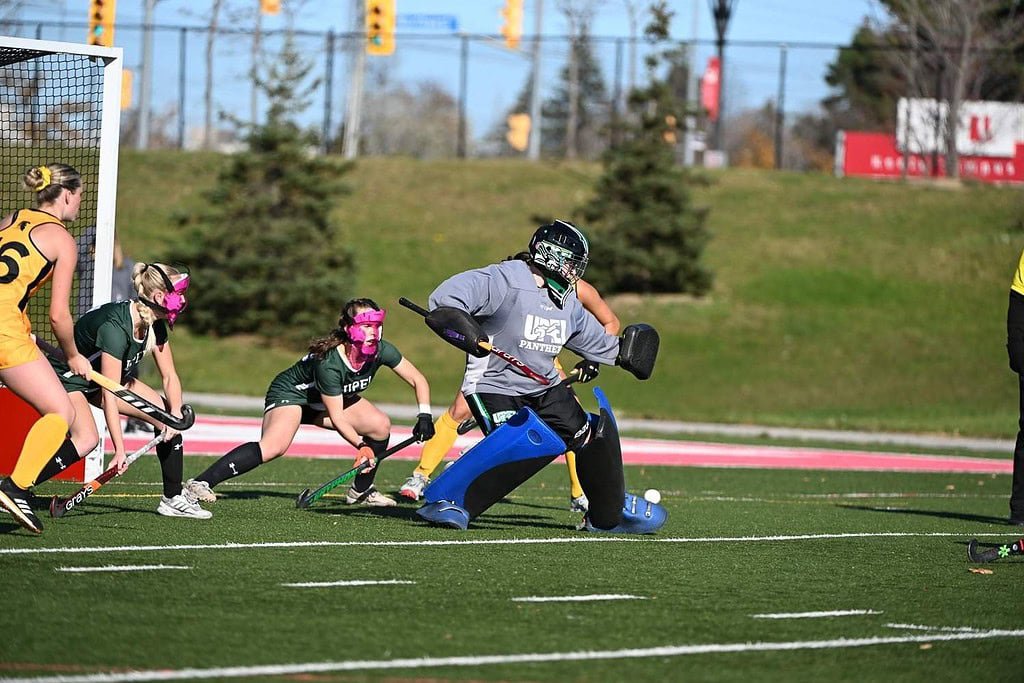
837, 303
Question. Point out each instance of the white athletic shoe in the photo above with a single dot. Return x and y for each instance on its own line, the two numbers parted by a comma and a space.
201, 490
182, 505
371, 497
413, 486
579, 504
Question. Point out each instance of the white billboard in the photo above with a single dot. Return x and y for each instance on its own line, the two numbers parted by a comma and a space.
990, 129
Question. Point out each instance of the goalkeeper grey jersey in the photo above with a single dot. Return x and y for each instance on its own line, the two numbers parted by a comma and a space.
520, 318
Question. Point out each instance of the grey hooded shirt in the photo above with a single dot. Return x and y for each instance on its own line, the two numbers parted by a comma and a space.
519, 317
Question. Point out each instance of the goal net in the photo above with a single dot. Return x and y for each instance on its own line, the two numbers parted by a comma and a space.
60, 102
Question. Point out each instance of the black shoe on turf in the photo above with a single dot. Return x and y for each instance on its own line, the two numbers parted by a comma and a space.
15, 501
1016, 520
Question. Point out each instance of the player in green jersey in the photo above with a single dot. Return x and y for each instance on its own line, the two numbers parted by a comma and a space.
324, 388
115, 337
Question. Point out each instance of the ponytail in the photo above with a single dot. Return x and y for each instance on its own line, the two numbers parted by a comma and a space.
324, 345
49, 180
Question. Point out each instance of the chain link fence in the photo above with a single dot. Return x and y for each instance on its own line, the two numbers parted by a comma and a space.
446, 95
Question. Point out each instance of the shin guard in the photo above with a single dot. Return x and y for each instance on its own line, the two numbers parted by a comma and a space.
599, 466
498, 464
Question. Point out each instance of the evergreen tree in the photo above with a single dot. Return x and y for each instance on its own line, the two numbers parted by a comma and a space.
646, 235
264, 256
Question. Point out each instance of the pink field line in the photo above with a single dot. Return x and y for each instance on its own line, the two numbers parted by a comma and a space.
217, 435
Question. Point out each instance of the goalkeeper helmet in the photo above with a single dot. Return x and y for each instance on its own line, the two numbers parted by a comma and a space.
560, 252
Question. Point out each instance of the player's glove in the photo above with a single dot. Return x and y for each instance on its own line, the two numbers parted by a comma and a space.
365, 458
424, 429
586, 370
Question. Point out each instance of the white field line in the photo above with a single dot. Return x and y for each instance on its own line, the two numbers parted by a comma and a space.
330, 584
919, 627
580, 598
121, 568
525, 658
816, 615
497, 542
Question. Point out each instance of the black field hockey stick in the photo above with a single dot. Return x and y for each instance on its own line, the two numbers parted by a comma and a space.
61, 506
307, 497
188, 416
469, 424
488, 347
976, 554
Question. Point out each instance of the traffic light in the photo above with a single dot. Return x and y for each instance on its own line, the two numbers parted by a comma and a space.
127, 78
101, 22
270, 6
518, 135
512, 26
380, 27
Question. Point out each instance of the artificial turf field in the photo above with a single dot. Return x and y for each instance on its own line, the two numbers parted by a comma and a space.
727, 590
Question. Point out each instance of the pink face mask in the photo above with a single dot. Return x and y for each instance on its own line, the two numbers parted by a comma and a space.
175, 301
358, 331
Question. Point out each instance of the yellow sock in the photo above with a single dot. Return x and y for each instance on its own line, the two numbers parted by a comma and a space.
41, 442
574, 480
445, 433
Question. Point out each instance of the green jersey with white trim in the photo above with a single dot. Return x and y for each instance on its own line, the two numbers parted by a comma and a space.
108, 329
312, 378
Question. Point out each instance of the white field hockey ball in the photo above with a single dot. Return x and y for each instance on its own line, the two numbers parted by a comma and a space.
652, 496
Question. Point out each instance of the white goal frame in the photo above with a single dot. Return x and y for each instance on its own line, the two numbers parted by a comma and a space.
112, 60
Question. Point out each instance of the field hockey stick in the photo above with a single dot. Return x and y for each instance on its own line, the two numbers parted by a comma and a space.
490, 348
188, 416
61, 506
975, 554
307, 497
469, 424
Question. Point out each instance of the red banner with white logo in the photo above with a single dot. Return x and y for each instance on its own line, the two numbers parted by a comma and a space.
875, 155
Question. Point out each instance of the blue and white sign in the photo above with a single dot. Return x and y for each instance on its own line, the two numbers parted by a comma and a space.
435, 22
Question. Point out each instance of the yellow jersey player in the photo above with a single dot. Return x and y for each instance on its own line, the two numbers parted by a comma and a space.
35, 246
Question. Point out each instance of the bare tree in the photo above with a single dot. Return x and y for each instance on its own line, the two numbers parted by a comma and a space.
211, 40
579, 14
947, 48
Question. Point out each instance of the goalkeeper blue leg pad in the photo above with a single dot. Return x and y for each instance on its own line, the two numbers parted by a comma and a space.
496, 466
638, 517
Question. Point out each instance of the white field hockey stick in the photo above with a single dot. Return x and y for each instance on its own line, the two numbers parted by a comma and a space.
60, 506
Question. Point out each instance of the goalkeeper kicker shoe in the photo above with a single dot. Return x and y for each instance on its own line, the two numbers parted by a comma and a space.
413, 486
370, 496
445, 513
182, 505
15, 501
201, 490
639, 516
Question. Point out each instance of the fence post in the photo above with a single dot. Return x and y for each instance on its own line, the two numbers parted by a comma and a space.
780, 107
616, 133
328, 92
463, 68
182, 45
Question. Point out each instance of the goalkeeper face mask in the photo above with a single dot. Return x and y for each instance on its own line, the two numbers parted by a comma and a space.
366, 330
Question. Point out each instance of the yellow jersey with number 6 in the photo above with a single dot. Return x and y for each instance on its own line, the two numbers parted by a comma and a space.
23, 270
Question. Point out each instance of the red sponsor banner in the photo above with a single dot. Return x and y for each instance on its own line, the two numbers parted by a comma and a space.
18, 417
709, 85
874, 155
